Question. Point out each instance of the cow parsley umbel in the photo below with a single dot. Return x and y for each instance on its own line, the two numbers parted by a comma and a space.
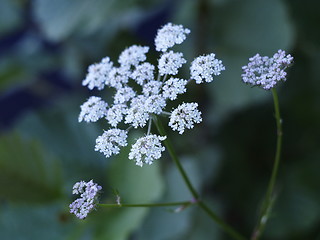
142, 91
266, 72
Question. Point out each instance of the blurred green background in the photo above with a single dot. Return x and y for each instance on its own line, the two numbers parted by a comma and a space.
45, 49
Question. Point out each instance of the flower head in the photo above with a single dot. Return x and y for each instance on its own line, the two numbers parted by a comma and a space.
89, 193
173, 87
204, 67
118, 77
133, 55
147, 149
184, 116
155, 104
169, 35
139, 96
110, 141
93, 109
137, 115
266, 72
151, 88
123, 95
170, 62
115, 114
143, 73
97, 74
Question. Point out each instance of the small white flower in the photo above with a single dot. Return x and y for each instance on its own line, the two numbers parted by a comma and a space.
97, 74
115, 114
169, 35
143, 73
170, 62
118, 77
151, 88
173, 87
137, 115
155, 104
147, 149
93, 109
133, 55
203, 67
110, 141
184, 116
123, 95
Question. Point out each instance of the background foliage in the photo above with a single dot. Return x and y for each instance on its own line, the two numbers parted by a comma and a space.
45, 48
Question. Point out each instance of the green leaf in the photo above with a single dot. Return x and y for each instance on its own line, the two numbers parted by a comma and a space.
34, 222
28, 174
61, 133
59, 19
253, 26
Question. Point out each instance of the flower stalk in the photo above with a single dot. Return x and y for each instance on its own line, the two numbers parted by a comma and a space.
224, 226
169, 204
269, 198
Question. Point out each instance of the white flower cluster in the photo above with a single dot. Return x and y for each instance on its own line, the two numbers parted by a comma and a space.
266, 72
184, 116
146, 149
203, 67
93, 109
169, 35
110, 141
139, 95
89, 193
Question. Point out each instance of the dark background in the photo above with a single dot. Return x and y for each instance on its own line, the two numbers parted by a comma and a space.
45, 49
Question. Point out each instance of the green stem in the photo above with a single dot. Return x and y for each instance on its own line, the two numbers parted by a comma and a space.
268, 201
228, 229
175, 158
186, 203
